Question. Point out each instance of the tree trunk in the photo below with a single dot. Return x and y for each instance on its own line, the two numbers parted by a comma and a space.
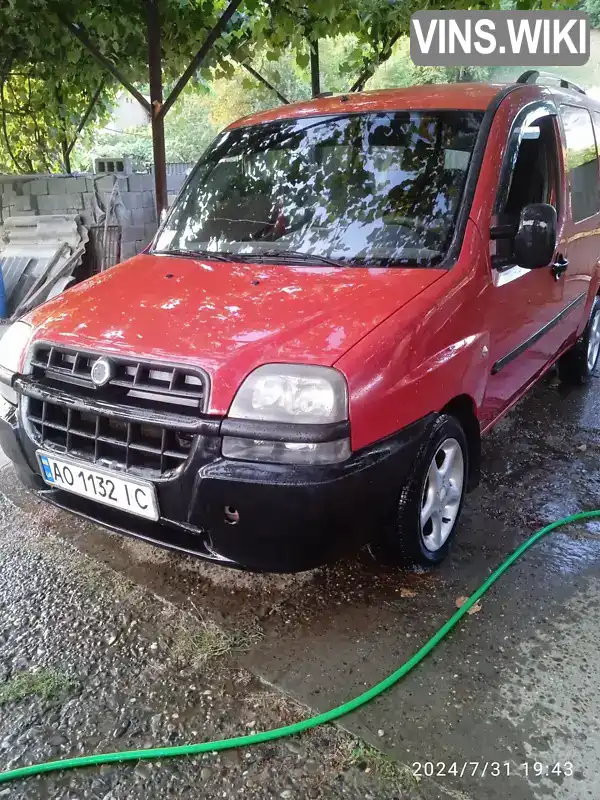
315, 75
156, 100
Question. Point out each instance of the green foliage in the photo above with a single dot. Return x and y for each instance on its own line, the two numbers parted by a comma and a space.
579, 158
201, 113
41, 61
37, 117
189, 128
45, 683
593, 9
48, 76
135, 142
399, 71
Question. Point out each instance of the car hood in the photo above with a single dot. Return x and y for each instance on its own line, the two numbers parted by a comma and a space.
226, 317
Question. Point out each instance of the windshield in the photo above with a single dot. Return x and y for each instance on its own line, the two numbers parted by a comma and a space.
379, 189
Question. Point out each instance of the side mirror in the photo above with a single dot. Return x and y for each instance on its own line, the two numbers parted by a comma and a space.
535, 241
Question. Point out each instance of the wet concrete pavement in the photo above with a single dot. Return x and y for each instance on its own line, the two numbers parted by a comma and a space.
515, 684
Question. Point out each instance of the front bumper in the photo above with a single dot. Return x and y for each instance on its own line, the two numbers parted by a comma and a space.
290, 518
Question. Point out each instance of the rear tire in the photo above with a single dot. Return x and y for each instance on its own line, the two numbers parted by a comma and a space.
431, 501
577, 364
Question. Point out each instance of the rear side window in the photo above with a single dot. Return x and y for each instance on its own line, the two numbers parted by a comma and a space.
582, 162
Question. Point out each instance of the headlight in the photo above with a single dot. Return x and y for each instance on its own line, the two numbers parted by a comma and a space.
294, 394
286, 452
12, 346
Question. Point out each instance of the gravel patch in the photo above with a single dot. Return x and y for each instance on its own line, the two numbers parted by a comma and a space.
92, 662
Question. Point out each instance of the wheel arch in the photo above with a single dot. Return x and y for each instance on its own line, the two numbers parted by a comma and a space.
463, 409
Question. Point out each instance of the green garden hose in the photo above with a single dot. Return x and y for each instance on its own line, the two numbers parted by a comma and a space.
313, 722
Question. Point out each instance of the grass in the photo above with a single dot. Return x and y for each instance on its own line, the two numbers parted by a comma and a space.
369, 759
275, 703
199, 642
44, 683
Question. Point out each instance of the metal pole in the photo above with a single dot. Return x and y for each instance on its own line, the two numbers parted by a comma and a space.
64, 142
315, 75
66, 156
86, 116
156, 101
80, 34
264, 81
369, 71
196, 62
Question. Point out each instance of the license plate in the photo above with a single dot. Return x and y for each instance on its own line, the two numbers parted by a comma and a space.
136, 497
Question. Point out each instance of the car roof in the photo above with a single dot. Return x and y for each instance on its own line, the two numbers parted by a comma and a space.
439, 96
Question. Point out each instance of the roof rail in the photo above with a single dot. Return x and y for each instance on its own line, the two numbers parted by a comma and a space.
532, 75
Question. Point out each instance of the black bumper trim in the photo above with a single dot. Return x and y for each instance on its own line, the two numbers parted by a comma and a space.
290, 517
285, 431
35, 389
181, 538
204, 426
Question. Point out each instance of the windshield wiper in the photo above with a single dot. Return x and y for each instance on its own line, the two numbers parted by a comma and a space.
211, 255
290, 255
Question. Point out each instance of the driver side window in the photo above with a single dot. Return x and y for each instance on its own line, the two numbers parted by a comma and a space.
534, 174
530, 175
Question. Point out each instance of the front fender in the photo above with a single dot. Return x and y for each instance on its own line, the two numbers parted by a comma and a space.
429, 352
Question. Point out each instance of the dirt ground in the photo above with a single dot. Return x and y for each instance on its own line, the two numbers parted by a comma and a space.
106, 643
92, 662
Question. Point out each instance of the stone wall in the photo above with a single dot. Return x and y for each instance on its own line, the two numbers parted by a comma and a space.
129, 200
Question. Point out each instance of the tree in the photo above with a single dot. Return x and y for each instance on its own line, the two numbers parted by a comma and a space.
40, 120
68, 48
399, 70
64, 59
205, 109
593, 9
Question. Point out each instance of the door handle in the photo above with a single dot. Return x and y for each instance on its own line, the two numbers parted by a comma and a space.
559, 266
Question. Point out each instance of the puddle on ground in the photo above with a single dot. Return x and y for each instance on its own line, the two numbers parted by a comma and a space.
551, 702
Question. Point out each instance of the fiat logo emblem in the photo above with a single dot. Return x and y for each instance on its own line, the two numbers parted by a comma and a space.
102, 371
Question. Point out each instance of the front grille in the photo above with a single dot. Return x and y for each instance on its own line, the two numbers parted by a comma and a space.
159, 396
134, 383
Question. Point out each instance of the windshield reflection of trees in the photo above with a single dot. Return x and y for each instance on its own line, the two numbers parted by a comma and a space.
368, 189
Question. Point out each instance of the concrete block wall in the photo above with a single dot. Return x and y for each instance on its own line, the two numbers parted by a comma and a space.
134, 210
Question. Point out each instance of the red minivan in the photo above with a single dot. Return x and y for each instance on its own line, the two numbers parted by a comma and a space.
345, 296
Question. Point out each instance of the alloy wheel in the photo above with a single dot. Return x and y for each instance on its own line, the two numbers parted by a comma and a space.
442, 493
593, 340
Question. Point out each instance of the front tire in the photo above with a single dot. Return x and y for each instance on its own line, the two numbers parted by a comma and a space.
431, 502
578, 363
